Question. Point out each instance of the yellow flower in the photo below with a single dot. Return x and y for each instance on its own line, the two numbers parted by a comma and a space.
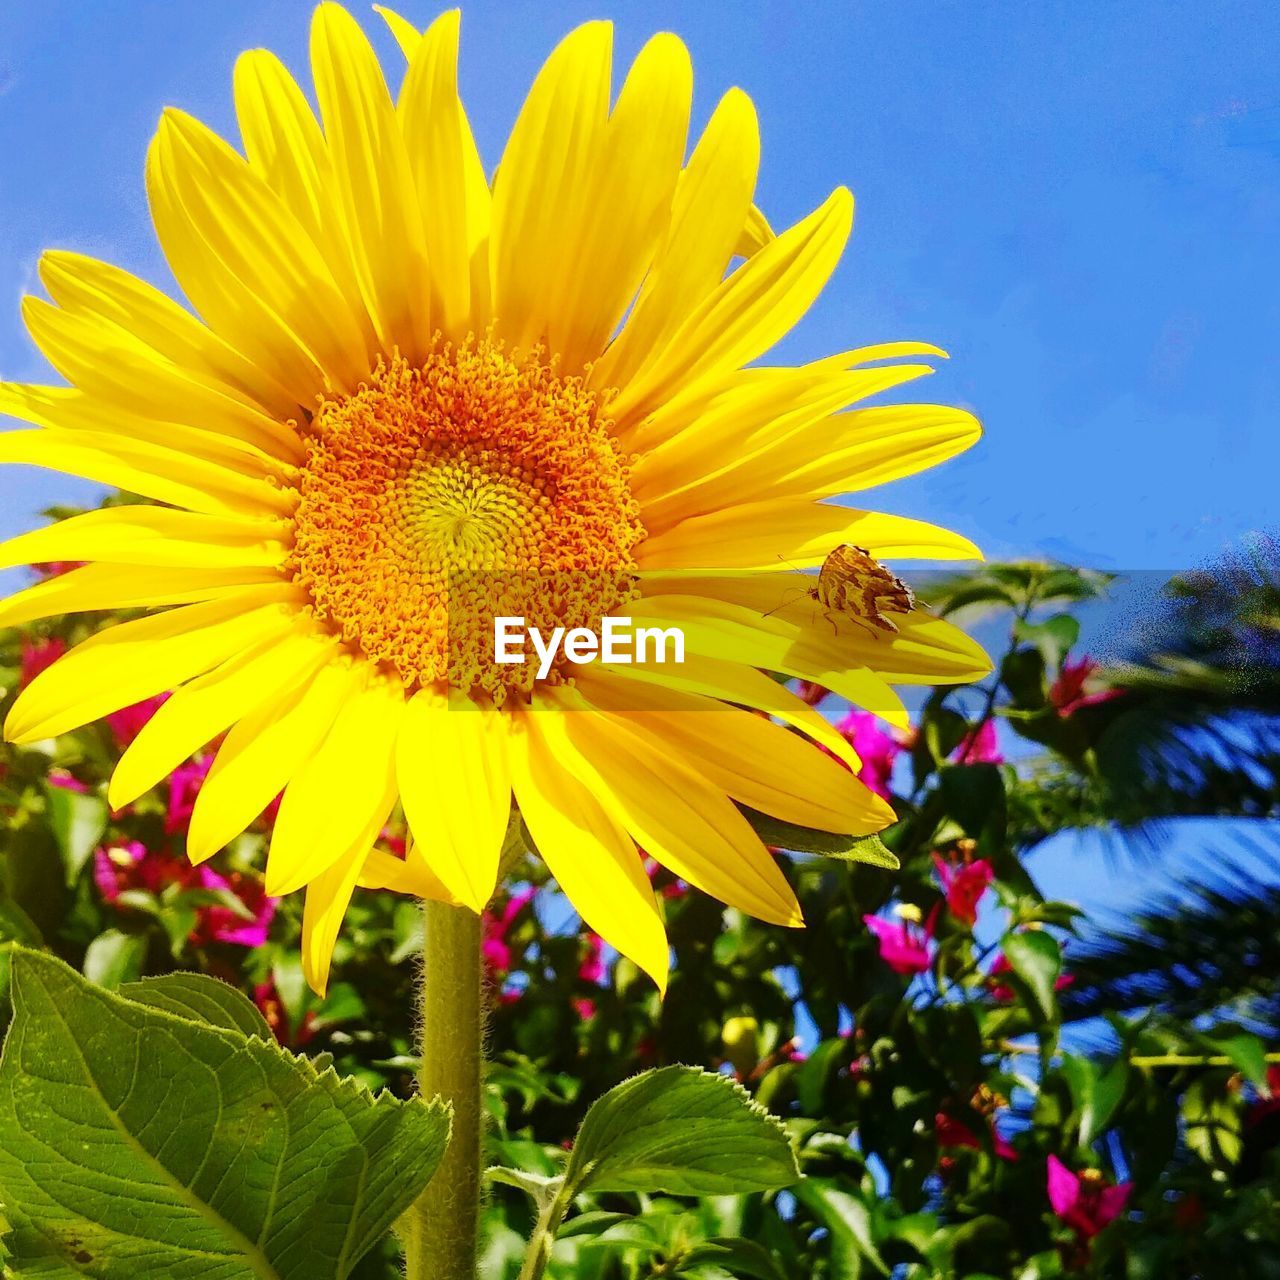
414, 395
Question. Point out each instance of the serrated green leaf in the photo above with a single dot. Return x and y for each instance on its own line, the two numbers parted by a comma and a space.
683, 1131
137, 1142
200, 998
787, 835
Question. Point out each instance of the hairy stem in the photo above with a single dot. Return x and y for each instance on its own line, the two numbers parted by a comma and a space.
439, 1231
538, 1254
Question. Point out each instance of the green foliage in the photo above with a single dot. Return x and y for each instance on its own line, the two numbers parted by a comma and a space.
139, 1137
682, 1131
920, 1107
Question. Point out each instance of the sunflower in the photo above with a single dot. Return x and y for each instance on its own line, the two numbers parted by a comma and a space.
414, 398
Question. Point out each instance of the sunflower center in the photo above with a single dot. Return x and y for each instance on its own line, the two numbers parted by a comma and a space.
481, 484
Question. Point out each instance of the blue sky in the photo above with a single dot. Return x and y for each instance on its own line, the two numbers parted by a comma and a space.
1079, 201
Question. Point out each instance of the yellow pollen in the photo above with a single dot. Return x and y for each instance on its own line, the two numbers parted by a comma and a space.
481, 484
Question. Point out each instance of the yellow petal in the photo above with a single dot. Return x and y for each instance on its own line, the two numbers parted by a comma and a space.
138, 659
743, 686
408, 37
329, 895
284, 145
340, 790
748, 313
79, 283
208, 705
247, 264
768, 615
144, 469
673, 812
851, 452
540, 190
262, 753
625, 203
112, 586
452, 770
409, 875
707, 213
755, 234
374, 182
72, 410
748, 435
431, 117
593, 859
749, 634
151, 536
756, 762
792, 531
107, 362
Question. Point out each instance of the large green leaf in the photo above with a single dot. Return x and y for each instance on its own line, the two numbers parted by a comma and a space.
200, 998
136, 1140
683, 1131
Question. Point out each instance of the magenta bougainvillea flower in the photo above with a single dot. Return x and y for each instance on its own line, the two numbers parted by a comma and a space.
131, 865
1086, 1202
906, 947
876, 748
951, 1132
184, 787
964, 884
128, 722
981, 746
38, 655
497, 950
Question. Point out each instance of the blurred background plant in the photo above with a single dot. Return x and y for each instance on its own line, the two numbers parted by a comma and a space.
981, 1082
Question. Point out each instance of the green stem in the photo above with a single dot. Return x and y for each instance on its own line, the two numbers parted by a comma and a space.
543, 1239
440, 1230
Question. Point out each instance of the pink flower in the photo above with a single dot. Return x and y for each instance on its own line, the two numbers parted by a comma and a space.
67, 782
673, 888
116, 868
954, 1133
132, 866
37, 656
56, 568
184, 786
224, 924
498, 953
1067, 693
593, 968
964, 884
999, 991
1085, 1202
128, 722
904, 947
979, 746
873, 746
585, 1009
